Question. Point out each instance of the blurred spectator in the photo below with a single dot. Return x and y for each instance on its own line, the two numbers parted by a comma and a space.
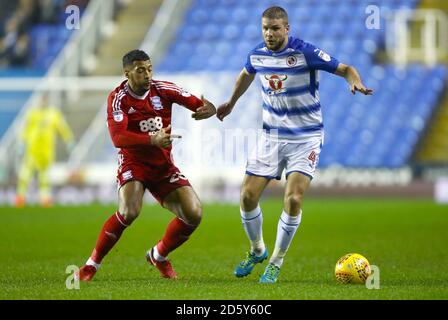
19, 55
49, 10
17, 18
8, 42
8, 7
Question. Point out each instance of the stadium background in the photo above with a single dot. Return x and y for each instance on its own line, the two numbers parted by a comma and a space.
385, 159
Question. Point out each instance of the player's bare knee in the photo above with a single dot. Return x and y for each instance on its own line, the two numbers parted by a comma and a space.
293, 203
193, 214
130, 213
249, 199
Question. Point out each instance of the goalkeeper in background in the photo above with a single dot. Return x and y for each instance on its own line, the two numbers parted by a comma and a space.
38, 139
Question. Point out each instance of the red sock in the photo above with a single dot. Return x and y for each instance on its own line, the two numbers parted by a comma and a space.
177, 233
109, 235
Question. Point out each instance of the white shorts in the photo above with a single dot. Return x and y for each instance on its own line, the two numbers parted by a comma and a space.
271, 157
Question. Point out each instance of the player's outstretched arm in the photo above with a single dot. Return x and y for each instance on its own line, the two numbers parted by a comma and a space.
351, 75
242, 84
206, 111
163, 139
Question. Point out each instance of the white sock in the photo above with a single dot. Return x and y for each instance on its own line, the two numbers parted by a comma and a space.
286, 228
253, 223
157, 255
90, 262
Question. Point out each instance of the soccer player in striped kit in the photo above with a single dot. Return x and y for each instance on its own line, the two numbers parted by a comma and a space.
139, 122
293, 131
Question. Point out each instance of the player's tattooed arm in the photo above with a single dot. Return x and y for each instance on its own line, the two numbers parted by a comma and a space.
206, 111
351, 75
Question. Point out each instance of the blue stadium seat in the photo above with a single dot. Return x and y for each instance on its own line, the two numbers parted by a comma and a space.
12, 101
198, 16
211, 31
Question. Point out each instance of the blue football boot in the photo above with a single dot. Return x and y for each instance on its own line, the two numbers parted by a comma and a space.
270, 274
247, 265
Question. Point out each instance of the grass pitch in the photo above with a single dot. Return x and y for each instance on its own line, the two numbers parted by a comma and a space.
406, 239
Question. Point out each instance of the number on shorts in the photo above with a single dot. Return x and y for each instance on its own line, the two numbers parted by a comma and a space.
312, 157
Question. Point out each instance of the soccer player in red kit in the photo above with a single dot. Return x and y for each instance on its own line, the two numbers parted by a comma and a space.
139, 117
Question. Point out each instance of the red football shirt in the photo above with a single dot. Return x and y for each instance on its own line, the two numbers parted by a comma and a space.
133, 119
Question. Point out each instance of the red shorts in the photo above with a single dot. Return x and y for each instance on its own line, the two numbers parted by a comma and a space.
160, 184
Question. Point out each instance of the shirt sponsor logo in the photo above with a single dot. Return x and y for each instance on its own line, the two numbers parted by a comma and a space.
118, 116
156, 103
153, 125
276, 83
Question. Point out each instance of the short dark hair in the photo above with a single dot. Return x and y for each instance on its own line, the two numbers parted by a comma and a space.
134, 55
275, 13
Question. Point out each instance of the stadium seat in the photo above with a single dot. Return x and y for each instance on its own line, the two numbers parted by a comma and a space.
12, 101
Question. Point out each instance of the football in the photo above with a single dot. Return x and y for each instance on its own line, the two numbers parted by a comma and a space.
352, 268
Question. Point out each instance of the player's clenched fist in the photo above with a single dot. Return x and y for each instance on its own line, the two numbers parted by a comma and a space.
162, 139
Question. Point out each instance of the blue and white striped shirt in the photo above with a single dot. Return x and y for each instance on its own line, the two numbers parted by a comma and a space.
290, 88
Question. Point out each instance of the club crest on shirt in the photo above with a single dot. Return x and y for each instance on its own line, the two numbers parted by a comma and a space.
291, 61
118, 115
276, 83
156, 103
